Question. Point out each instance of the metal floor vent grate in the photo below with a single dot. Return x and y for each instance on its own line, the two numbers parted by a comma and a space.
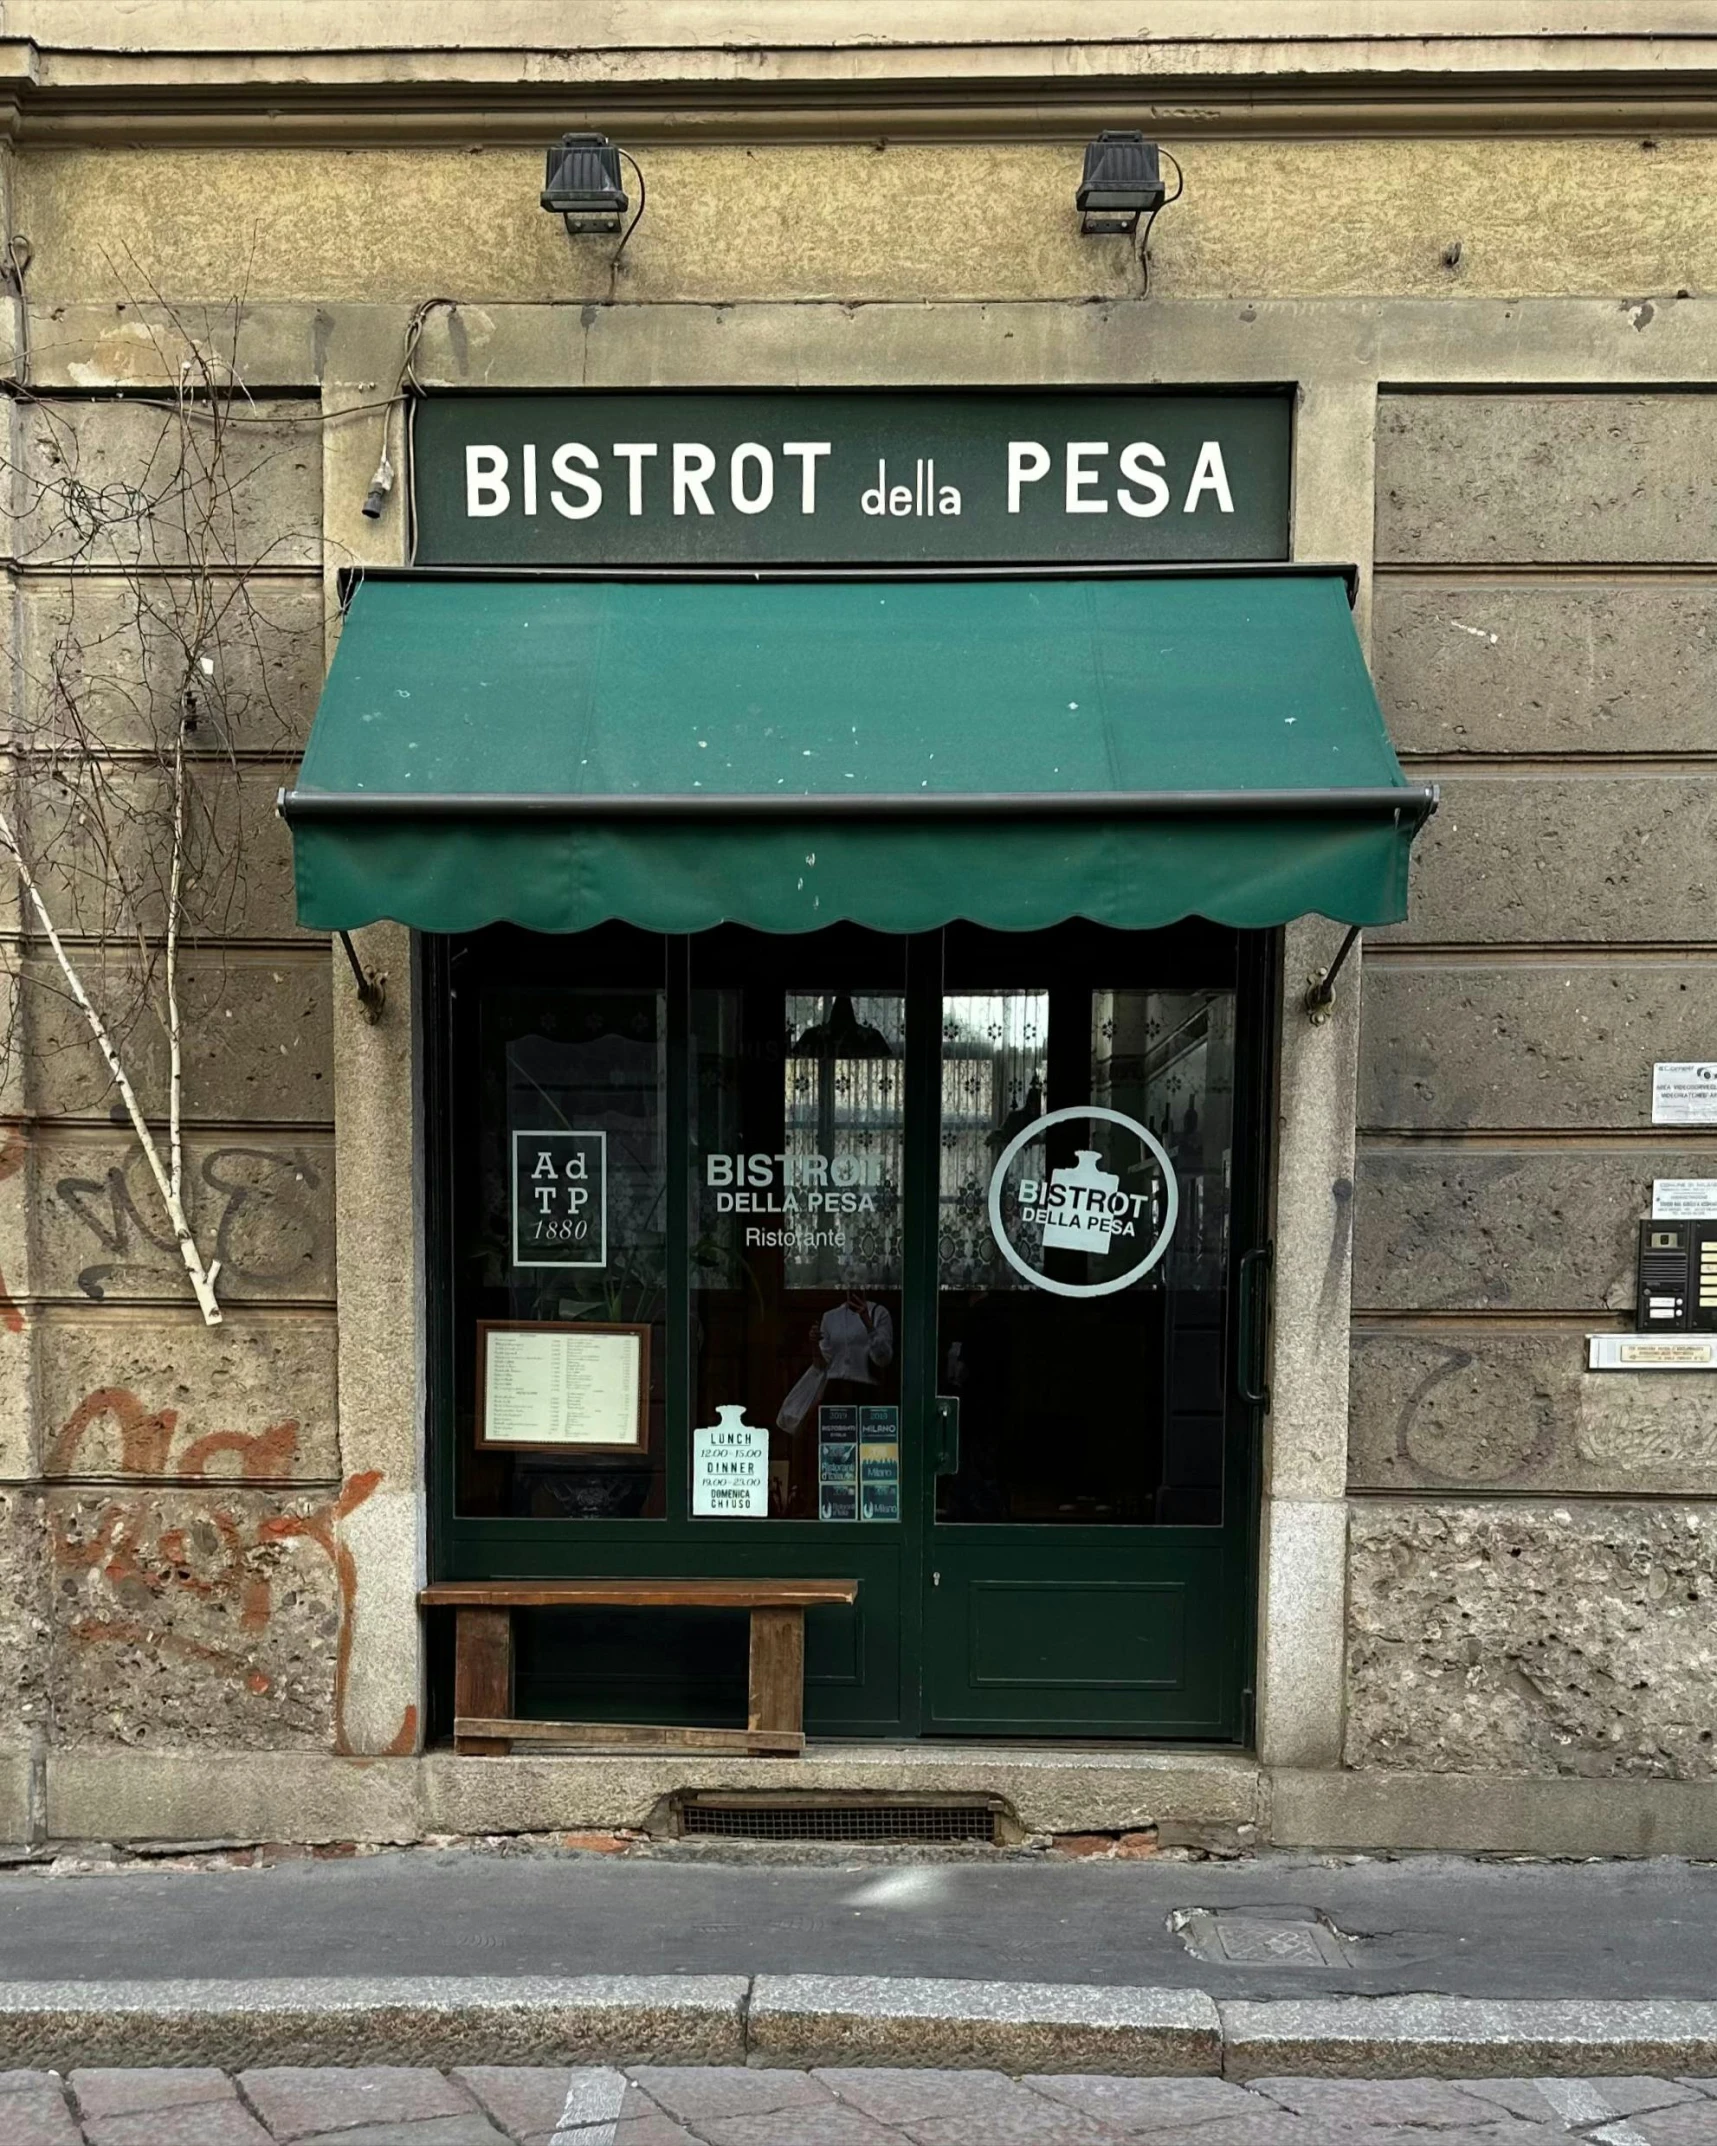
792, 1821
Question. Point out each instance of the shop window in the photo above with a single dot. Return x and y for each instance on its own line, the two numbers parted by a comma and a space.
561, 1254
797, 1175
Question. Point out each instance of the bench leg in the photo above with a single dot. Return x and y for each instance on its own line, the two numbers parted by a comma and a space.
777, 1700
483, 1675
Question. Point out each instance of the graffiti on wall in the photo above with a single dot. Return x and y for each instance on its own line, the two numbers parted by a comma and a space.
267, 1230
152, 1566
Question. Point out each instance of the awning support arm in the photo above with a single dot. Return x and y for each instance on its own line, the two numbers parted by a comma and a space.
372, 987
1319, 1000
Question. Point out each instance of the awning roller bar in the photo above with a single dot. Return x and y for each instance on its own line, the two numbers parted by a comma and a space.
1416, 803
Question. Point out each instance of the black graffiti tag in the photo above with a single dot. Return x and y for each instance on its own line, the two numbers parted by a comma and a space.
267, 1231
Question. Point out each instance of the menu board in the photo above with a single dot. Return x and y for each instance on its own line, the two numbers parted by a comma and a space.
555, 1387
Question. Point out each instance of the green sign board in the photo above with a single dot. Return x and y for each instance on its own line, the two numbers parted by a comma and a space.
782, 479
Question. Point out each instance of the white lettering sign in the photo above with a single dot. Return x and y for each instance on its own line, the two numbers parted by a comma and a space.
1094, 474
730, 1467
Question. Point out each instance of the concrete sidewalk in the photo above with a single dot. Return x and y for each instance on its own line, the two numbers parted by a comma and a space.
1285, 1926
645, 2105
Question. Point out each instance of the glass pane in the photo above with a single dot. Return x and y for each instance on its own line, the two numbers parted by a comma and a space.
797, 1160
1086, 1147
561, 1228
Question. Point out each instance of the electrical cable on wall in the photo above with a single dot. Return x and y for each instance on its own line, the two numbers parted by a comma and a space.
1167, 200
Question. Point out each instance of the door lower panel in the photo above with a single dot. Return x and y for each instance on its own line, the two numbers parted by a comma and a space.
1081, 1633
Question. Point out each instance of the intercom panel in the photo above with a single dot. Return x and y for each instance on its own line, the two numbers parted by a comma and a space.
1665, 1264
1677, 1277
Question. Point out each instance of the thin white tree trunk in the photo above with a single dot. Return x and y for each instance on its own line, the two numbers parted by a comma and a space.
175, 1146
202, 1278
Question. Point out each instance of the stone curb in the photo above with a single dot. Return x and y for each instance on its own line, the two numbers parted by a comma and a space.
1004, 2026
1465, 2038
435, 2020
787, 2021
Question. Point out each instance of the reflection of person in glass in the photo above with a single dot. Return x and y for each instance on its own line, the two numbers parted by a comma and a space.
853, 1342
852, 1346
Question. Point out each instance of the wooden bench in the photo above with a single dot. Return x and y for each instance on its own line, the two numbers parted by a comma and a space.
483, 1721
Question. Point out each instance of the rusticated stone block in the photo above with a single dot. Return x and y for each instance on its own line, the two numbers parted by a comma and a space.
1524, 1045
1546, 667
1491, 1407
159, 1394
1531, 477
1533, 1638
24, 1629
1516, 1229
239, 855
260, 1204
109, 483
122, 658
192, 1617
257, 1041
1577, 859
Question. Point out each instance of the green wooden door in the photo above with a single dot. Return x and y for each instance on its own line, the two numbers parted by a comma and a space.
1088, 1496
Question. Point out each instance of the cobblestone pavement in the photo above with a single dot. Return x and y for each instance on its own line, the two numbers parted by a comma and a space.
652, 2106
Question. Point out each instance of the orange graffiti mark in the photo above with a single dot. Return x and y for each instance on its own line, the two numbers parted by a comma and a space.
258, 1605
128, 1553
12, 1152
260, 1453
146, 1439
319, 1526
131, 1634
144, 1435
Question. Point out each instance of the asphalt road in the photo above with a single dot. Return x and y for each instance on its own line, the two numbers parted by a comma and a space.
1436, 1924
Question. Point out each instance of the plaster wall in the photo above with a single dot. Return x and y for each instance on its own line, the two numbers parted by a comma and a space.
862, 222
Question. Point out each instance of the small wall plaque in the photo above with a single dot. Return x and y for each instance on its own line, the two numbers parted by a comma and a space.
1684, 1092
1683, 1199
1651, 1352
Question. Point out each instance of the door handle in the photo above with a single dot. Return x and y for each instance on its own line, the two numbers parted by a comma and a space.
1253, 1283
946, 1459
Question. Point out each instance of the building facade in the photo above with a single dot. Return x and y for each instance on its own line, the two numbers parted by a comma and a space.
287, 327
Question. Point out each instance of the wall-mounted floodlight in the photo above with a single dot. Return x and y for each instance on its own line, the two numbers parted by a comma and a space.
582, 184
1123, 181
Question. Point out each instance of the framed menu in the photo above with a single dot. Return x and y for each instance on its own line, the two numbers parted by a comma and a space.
566, 1386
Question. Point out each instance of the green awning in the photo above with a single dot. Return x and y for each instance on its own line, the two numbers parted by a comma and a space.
794, 752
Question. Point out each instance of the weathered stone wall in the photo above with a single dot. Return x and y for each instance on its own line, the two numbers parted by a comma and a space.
1546, 647
1544, 1638
174, 1578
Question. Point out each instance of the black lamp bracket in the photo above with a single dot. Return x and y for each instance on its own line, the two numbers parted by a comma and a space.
1319, 1000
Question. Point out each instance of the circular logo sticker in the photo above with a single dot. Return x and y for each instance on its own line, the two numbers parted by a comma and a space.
1115, 1201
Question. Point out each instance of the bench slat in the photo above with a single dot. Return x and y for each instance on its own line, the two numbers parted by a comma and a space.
637, 1594
487, 1737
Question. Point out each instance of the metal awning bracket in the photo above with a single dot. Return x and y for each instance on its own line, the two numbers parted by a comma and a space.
372, 984
1319, 1000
